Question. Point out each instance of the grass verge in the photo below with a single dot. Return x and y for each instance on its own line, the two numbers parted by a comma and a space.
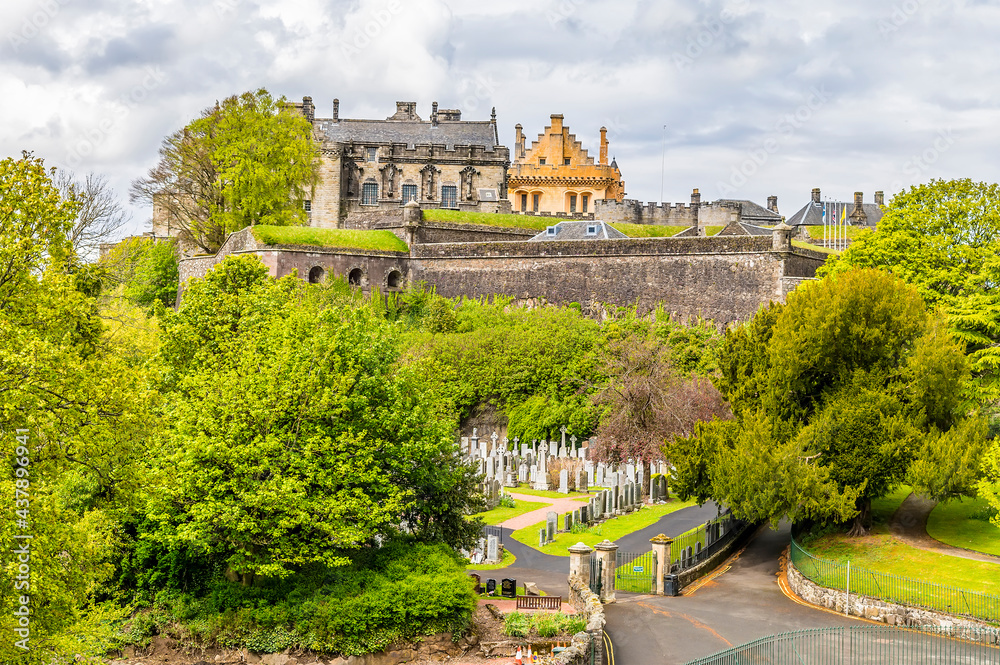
549, 494
965, 524
501, 514
309, 236
532, 222
507, 560
884, 507
647, 230
612, 529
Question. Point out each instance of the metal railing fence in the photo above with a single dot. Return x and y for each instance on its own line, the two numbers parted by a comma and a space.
866, 645
895, 589
694, 546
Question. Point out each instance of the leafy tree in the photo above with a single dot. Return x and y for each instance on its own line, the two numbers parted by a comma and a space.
249, 160
147, 270
100, 215
989, 483
943, 237
948, 464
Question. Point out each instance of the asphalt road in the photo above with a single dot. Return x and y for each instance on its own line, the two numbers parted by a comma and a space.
738, 606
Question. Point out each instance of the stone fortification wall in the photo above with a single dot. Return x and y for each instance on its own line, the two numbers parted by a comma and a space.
631, 211
722, 279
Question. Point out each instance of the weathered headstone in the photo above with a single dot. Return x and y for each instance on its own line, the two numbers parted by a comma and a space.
568, 522
492, 549
542, 476
551, 524
585, 514
522, 473
478, 589
576, 516
599, 482
564, 481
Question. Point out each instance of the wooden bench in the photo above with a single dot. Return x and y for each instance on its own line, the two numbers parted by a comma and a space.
539, 603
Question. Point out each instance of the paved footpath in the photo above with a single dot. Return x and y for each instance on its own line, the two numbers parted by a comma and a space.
909, 524
559, 506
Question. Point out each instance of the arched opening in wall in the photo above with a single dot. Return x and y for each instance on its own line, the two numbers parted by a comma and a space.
316, 275
354, 277
536, 200
394, 280
572, 202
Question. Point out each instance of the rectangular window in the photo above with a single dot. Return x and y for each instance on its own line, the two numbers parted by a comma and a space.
307, 206
372, 154
541, 161
449, 196
551, 231
534, 202
409, 193
592, 230
572, 202
524, 203
566, 161
369, 194
586, 200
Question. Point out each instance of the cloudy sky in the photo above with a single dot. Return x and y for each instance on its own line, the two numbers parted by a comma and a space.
740, 98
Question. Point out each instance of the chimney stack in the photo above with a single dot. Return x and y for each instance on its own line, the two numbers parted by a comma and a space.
518, 142
859, 199
434, 114
308, 110
557, 123
604, 146
879, 198
816, 196
336, 110
772, 203
695, 198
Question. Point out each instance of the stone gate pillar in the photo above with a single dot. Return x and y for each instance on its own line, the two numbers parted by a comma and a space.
579, 561
607, 552
661, 548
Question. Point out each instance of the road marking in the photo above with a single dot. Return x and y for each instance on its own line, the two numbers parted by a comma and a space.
609, 648
694, 622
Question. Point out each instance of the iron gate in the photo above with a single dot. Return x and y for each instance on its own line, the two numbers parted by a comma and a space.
596, 567
635, 572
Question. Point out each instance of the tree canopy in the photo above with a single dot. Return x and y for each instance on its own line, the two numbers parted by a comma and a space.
249, 160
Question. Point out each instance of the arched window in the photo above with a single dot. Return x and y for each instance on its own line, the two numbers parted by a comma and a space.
394, 280
316, 275
369, 194
355, 276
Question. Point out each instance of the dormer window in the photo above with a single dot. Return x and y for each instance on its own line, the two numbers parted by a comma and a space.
593, 229
541, 161
551, 231
372, 154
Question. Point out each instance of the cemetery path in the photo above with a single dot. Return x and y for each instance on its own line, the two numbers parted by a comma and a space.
672, 524
739, 605
909, 524
558, 506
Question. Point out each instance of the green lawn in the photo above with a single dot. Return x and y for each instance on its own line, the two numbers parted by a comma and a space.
713, 230
801, 244
884, 507
648, 230
532, 222
612, 529
331, 238
965, 524
816, 232
507, 560
549, 494
883, 553
502, 514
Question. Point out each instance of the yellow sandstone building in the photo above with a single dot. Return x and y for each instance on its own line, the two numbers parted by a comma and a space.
556, 175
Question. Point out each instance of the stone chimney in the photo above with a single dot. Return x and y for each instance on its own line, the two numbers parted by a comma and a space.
557, 123
816, 196
604, 146
308, 110
336, 110
518, 141
434, 114
695, 198
858, 215
772, 203
880, 198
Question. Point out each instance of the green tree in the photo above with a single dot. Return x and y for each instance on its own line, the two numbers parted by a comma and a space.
943, 237
147, 271
249, 160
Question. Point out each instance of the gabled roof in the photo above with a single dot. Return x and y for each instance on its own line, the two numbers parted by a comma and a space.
578, 231
811, 214
411, 132
754, 211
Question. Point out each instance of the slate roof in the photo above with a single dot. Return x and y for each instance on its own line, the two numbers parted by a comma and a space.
754, 211
756, 230
811, 214
578, 231
411, 132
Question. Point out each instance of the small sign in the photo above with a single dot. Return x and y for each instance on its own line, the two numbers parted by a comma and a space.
636, 569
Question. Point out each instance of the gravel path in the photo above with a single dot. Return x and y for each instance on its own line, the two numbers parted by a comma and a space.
909, 524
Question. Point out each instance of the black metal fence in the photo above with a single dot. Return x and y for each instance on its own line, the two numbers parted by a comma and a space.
493, 531
635, 571
596, 568
692, 547
866, 645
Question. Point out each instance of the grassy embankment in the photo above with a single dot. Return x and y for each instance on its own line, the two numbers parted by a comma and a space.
383, 241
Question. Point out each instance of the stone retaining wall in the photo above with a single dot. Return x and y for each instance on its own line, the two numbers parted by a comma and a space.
876, 609
587, 604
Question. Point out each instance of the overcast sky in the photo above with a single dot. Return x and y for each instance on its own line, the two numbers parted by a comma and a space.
740, 98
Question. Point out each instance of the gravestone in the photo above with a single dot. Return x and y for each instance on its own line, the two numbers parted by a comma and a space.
551, 524
599, 482
568, 522
491, 586
588, 468
524, 449
492, 549
508, 588
465, 445
576, 516
585, 514
654, 490
564, 481
542, 537
532, 476
478, 589
522, 473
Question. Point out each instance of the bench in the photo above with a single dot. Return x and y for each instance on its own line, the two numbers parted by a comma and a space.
539, 603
